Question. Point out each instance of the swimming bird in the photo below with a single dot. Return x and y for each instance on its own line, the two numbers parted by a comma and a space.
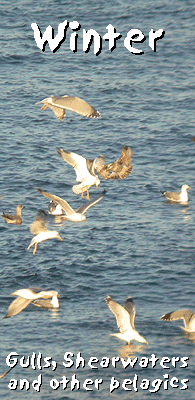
188, 317
71, 215
85, 171
59, 105
125, 317
178, 197
14, 219
120, 168
39, 229
36, 296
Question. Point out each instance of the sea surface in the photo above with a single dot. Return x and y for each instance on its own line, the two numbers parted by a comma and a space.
133, 243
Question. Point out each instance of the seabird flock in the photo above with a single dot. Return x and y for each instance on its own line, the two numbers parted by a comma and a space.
88, 174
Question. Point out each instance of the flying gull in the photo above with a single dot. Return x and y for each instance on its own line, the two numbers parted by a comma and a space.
39, 229
71, 215
14, 219
88, 169
178, 197
36, 296
59, 105
188, 317
120, 168
84, 173
125, 317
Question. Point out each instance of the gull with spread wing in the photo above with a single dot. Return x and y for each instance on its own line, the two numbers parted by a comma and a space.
188, 317
125, 317
71, 215
39, 229
36, 296
59, 105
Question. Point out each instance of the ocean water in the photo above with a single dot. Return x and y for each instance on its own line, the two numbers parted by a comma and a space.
133, 242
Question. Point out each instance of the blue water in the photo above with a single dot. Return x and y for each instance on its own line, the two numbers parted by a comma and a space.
133, 242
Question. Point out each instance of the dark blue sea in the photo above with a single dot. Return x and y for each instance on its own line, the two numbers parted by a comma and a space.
133, 243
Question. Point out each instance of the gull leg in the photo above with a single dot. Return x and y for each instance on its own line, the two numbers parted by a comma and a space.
35, 249
87, 195
81, 195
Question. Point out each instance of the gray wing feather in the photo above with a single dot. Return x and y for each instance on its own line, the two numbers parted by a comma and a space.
75, 104
130, 307
17, 306
83, 209
122, 315
184, 314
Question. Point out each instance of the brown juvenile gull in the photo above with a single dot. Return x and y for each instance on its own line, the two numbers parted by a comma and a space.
120, 168
85, 173
71, 215
14, 219
59, 105
178, 197
39, 229
125, 317
188, 317
36, 296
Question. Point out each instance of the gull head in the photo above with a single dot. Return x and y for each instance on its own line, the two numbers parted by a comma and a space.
185, 187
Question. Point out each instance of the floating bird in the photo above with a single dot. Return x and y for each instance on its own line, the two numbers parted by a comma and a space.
84, 171
125, 317
178, 197
71, 215
60, 104
188, 317
36, 296
14, 219
120, 168
39, 229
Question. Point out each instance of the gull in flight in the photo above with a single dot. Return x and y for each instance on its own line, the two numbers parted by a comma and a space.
88, 169
178, 197
84, 173
14, 219
36, 296
39, 229
125, 317
188, 317
60, 104
120, 168
71, 215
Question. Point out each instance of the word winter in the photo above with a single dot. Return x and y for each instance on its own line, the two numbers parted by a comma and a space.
134, 35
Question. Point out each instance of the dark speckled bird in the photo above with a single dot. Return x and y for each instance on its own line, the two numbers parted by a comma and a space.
14, 219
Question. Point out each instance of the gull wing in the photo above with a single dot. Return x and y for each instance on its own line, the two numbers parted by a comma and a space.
130, 307
83, 209
17, 306
122, 315
66, 207
174, 196
39, 224
75, 104
184, 314
120, 168
59, 112
77, 162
